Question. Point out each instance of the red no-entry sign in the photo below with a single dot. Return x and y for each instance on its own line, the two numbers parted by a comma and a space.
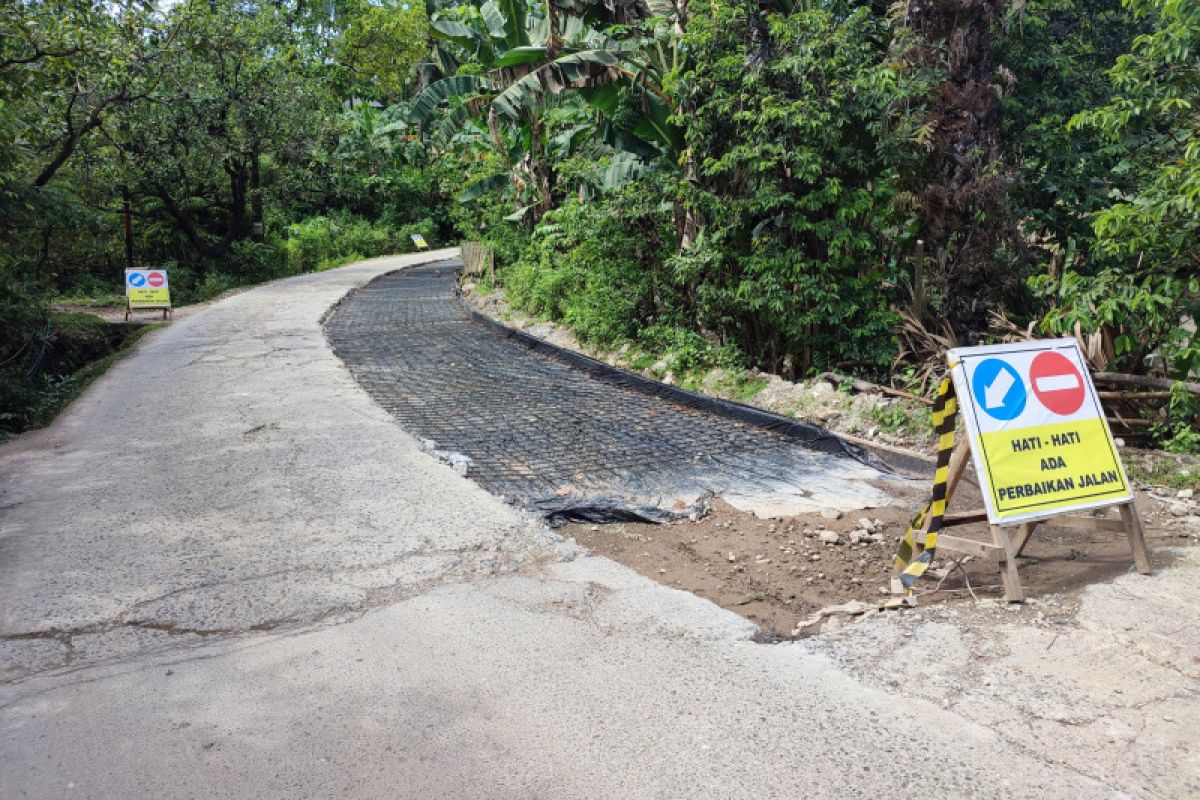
155, 279
1056, 383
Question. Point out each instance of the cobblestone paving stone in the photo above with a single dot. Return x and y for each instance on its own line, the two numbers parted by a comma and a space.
548, 436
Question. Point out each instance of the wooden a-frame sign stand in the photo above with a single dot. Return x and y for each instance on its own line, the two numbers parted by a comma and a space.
130, 310
1005, 549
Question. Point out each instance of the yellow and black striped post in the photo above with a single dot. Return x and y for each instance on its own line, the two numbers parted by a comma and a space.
907, 568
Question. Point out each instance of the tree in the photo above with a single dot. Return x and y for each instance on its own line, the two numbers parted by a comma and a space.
797, 158
1059, 52
1149, 284
237, 94
961, 193
1156, 113
382, 45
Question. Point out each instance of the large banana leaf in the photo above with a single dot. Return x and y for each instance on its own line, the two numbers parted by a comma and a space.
438, 92
622, 168
442, 57
531, 54
630, 143
601, 97
505, 20
466, 37
489, 183
656, 125
515, 25
572, 70
519, 214
450, 30
449, 124
564, 144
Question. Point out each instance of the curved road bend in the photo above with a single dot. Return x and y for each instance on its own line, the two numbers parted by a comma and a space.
554, 439
226, 572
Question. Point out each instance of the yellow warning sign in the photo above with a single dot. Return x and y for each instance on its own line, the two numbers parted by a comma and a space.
1040, 441
419, 241
147, 288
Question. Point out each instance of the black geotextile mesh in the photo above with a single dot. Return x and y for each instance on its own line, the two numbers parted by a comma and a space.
552, 430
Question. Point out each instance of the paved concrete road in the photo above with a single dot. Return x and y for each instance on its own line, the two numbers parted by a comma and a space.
224, 572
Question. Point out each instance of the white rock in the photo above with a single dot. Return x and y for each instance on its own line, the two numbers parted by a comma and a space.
829, 537
830, 513
1185, 494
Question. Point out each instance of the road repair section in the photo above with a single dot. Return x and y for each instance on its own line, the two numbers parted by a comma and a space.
550, 437
225, 572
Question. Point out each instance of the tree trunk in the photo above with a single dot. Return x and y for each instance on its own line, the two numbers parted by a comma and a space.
128, 219
964, 212
256, 203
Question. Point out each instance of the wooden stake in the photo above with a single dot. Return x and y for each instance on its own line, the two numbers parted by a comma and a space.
1137, 536
1013, 592
1023, 533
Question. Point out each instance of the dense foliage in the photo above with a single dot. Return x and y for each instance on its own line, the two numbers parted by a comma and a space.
784, 184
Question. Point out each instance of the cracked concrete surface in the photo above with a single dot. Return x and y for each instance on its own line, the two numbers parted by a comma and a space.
1107, 683
216, 483
225, 572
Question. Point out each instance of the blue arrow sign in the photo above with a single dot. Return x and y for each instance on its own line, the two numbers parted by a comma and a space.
137, 280
998, 389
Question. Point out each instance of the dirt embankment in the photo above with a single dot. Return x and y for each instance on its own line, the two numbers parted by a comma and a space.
781, 572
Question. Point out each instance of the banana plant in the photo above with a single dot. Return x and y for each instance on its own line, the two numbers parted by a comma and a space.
527, 61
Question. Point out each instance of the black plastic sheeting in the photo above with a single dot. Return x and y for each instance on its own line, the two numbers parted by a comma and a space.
811, 436
560, 433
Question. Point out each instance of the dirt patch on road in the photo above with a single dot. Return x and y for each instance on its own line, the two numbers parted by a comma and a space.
779, 572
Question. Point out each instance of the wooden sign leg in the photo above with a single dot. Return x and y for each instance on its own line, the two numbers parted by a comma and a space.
1024, 532
959, 458
1137, 536
1013, 592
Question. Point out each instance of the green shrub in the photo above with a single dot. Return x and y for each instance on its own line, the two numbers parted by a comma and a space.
328, 241
213, 285
795, 188
598, 266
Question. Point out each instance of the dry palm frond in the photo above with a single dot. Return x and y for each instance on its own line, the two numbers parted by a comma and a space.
923, 349
1005, 330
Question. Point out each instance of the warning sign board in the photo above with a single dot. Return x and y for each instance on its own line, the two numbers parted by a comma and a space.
147, 288
419, 241
1041, 443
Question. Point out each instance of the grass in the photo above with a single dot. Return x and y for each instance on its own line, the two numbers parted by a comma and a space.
642, 361
1160, 471
338, 261
747, 388
90, 301
62, 392
901, 419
